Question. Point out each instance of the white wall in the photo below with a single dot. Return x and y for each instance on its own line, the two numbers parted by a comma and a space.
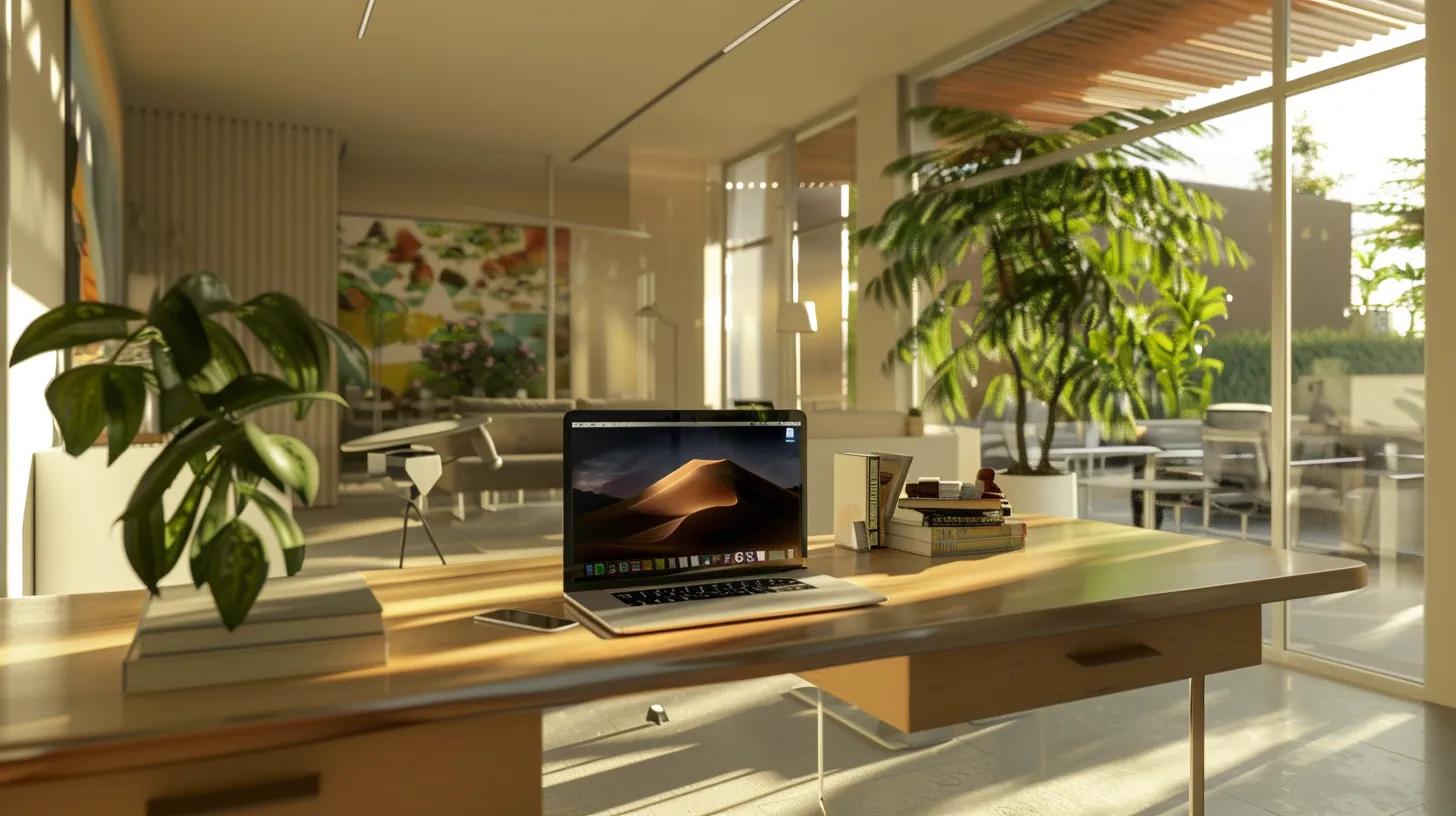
35, 219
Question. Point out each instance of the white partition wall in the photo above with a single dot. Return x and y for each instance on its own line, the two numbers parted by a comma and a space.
255, 203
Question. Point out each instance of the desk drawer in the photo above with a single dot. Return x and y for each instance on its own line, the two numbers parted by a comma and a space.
935, 689
473, 765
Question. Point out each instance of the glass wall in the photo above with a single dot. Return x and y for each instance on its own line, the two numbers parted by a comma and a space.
1353, 459
824, 269
753, 277
1357, 379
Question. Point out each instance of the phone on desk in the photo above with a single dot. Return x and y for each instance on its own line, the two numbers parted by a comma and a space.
521, 619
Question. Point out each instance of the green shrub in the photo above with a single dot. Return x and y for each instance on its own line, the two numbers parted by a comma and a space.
1245, 357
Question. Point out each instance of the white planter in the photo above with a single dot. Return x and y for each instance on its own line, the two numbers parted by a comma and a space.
1041, 495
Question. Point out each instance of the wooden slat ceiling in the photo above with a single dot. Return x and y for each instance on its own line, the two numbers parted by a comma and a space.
1149, 53
827, 156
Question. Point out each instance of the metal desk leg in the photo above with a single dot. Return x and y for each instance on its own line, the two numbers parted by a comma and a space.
1150, 513
1195, 745
819, 717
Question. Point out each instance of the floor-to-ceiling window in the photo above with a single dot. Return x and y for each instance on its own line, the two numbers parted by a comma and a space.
1305, 123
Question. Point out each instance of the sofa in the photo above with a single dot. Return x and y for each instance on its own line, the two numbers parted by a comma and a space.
526, 434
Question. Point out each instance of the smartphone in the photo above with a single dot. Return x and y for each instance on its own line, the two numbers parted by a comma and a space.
521, 619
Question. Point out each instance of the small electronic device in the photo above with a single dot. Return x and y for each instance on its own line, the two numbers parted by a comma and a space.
521, 619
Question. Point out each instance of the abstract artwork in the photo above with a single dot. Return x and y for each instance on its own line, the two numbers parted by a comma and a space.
449, 307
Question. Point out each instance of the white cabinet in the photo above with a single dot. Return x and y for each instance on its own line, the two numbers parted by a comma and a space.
77, 540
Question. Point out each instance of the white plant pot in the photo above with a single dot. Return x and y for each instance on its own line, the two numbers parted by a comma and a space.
1041, 495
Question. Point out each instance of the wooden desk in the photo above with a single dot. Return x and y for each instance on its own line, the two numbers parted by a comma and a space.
453, 719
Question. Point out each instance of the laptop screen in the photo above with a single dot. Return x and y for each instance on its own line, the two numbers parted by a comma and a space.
662, 496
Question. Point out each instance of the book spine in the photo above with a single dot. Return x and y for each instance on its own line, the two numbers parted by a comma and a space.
975, 546
973, 533
992, 519
872, 500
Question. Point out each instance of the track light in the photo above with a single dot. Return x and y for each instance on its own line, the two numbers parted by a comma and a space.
364, 23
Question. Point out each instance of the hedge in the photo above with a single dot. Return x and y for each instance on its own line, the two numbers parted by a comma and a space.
1245, 357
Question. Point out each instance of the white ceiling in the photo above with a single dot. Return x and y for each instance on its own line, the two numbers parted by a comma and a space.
537, 76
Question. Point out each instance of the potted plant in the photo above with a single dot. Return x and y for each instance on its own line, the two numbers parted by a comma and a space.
207, 393
915, 423
1072, 256
469, 358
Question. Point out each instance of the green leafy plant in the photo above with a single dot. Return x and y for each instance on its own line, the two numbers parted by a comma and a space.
1066, 253
1305, 174
469, 357
1179, 333
206, 393
1402, 234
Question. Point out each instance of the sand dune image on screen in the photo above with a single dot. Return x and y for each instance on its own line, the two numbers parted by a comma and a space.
704, 506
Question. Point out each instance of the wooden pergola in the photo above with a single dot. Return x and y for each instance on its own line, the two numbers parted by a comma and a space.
1151, 53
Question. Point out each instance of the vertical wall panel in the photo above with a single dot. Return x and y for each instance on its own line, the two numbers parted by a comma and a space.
254, 203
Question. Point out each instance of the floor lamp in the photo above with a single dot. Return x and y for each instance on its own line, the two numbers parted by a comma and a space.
651, 312
798, 317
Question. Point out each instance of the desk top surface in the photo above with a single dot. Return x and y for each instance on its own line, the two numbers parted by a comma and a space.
62, 709
413, 434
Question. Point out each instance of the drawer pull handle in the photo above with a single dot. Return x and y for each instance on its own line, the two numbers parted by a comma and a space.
1116, 654
266, 793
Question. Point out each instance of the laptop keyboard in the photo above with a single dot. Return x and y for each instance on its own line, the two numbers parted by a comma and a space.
699, 592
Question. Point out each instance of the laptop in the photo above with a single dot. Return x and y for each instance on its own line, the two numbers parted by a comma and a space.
689, 518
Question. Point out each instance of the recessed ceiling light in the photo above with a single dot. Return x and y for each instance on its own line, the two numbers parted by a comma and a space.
364, 23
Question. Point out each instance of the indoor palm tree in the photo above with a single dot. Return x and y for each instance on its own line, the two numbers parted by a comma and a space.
1071, 257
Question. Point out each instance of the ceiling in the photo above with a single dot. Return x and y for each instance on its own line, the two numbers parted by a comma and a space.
529, 76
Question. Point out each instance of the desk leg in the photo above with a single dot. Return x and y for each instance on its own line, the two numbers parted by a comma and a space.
1150, 513
1195, 745
819, 724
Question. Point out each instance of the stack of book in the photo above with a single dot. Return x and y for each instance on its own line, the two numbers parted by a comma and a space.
297, 626
954, 526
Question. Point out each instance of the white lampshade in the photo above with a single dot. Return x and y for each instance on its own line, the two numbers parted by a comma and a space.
798, 317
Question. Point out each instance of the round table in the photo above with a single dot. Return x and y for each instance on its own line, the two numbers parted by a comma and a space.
421, 434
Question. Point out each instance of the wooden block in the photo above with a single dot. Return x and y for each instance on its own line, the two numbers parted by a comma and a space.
489, 764
935, 689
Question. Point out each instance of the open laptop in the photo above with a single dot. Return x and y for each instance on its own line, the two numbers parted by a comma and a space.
689, 518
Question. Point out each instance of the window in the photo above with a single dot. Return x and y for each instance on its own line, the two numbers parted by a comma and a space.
824, 268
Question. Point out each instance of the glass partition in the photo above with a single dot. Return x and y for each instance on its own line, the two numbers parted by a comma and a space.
1357, 378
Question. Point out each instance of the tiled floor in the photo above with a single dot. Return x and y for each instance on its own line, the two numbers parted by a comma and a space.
1279, 742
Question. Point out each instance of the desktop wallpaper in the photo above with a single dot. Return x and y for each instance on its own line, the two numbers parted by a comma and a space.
650, 492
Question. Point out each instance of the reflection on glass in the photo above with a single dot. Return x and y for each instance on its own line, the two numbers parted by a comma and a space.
824, 262
1357, 378
608, 340
752, 276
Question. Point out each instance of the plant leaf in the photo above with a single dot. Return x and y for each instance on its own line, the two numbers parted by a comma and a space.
287, 459
75, 401
247, 390
144, 536
353, 360
74, 324
208, 294
292, 337
236, 569
215, 516
285, 527
124, 398
181, 326
163, 470
176, 403
226, 363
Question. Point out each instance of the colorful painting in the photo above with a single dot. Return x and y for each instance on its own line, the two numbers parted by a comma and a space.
451, 307
93, 258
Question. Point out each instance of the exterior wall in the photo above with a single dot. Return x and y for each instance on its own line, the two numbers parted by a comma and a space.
1321, 251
